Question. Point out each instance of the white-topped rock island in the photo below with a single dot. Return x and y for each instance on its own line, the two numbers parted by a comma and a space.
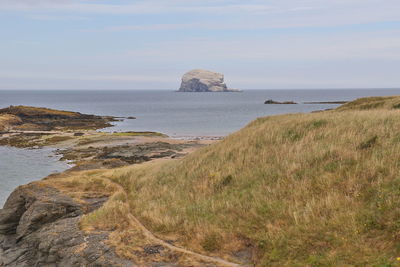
204, 81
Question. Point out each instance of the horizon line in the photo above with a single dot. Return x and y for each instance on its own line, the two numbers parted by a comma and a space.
176, 90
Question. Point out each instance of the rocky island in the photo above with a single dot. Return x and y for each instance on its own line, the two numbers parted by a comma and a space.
273, 102
204, 81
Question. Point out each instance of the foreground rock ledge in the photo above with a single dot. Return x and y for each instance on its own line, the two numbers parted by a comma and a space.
39, 226
204, 81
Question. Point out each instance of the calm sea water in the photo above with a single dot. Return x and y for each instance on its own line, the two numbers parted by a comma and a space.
183, 114
21, 166
172, 113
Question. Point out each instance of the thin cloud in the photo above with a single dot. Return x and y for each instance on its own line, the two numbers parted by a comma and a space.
152, 27
337, 47
57, 18
142, 7
259, 17
257, 14
88, 77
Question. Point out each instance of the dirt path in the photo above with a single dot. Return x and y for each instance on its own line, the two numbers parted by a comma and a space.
147, 233
151, 236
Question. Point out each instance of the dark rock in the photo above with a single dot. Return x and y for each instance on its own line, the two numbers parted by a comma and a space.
131, 154
328, 102
270, 101
142, 152
155, 249
39, 226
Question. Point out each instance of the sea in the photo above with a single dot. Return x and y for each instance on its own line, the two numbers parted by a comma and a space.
177, 114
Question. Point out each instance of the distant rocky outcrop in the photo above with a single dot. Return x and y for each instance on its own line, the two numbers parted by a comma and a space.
327, 102
204, 81
25, 118
272, 102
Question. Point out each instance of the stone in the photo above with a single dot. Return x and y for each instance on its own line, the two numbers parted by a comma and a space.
273, 102
204, 81
328, 102
39, 226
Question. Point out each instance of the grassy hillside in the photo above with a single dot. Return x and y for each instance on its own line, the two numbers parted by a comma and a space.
319, 189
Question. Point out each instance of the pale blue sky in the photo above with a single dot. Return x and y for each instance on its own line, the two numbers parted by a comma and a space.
93, 44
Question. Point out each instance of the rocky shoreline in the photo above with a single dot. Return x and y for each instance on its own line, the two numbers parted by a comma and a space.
40, 224
25, 118
273, 102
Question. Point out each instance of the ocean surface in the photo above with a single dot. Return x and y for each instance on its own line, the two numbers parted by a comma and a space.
176, 114
21, 166
183, 114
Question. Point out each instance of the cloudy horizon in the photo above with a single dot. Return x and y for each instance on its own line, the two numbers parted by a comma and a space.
94, 44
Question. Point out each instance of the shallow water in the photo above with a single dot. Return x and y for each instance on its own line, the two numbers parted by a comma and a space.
21, 166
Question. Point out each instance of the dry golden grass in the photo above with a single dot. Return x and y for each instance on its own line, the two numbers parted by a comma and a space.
84, 184
7, 120
32, 111
379, 102
320, 189
57, 139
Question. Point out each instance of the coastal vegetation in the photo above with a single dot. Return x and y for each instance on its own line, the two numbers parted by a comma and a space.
318, 189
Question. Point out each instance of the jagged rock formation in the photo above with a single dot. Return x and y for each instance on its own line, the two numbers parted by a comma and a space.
204, 81
39, 226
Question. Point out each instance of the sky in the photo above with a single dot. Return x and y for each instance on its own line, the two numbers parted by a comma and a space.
150, 44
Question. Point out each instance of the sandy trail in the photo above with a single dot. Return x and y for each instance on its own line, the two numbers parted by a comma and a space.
148, 234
